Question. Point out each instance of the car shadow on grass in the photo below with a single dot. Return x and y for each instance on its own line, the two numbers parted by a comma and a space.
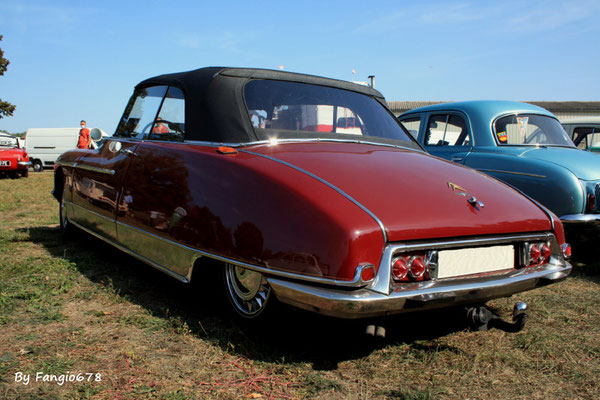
290, 336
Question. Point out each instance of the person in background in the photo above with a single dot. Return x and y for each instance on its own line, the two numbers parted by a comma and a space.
84, 136
160, 128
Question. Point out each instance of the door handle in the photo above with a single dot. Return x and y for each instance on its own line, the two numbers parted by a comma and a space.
128, 152
457, 158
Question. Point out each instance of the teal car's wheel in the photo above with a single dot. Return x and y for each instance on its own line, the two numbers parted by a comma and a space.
247, 290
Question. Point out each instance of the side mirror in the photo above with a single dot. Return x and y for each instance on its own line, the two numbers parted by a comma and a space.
95, 134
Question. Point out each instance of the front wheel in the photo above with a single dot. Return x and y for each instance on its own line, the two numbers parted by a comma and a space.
248, 291
37, 166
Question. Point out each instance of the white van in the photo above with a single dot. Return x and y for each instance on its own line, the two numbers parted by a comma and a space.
44, 145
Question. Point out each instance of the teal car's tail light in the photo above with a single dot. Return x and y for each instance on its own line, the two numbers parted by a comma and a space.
591, 203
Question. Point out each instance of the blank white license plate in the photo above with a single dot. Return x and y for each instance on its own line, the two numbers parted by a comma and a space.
4, 163
478, 260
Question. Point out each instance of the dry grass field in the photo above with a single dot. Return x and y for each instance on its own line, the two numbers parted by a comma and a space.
80, 309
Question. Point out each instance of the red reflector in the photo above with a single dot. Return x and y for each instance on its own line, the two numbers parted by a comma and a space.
566, 249
226, 150
417, 267
367, 274
400, 268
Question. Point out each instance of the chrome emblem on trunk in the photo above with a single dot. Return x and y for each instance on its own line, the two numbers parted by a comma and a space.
457, 189
472, 200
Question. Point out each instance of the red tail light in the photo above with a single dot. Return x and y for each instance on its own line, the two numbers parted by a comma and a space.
534, 254
591, 203
545, 252
400, 269
538, 253
416, 267
410, 267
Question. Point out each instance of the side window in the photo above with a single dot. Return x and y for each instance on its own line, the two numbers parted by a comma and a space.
140, 112
170, 123
447, 130
412, 125
586, 137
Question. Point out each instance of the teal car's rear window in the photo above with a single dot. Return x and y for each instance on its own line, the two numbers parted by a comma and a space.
530, 130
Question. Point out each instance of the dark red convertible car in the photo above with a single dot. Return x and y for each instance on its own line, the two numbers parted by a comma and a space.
307, 191
14, 161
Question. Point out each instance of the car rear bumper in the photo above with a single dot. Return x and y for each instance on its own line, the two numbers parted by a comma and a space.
359, 303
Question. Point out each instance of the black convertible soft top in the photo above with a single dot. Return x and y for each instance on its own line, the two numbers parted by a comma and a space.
215, 107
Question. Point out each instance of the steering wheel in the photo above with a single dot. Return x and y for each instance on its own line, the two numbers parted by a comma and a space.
177, 135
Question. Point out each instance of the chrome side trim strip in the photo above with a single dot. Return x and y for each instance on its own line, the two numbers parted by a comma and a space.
66, 164
340, 191
511, 172
260, 142
86, 167
90, 211
356, 282
95, 169
139, 257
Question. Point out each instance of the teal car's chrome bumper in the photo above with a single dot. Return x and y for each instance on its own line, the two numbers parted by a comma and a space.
591, 219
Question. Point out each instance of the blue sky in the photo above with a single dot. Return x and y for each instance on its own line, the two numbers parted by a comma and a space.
73, 60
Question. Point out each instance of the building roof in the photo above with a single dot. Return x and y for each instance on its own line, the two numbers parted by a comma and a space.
552, 106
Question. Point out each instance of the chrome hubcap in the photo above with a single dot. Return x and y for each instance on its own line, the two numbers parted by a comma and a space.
248, 290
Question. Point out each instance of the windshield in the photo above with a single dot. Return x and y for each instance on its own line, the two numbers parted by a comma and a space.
531, 130
8, 141
290, 110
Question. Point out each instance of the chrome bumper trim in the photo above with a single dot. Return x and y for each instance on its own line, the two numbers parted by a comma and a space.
591, 219
24, 163
382, 281
364, 302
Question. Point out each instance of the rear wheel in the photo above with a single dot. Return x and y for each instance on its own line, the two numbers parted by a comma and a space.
248, 291
37, 166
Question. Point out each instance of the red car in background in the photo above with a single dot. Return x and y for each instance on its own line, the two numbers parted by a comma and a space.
14, 161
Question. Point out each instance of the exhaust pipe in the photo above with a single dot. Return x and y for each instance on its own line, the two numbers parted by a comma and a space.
482, 319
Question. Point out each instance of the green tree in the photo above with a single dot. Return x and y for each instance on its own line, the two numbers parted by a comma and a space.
6, 109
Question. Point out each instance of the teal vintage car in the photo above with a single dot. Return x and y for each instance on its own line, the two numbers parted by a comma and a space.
520, 144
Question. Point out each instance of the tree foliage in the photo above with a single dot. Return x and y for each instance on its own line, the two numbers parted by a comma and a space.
6, 109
